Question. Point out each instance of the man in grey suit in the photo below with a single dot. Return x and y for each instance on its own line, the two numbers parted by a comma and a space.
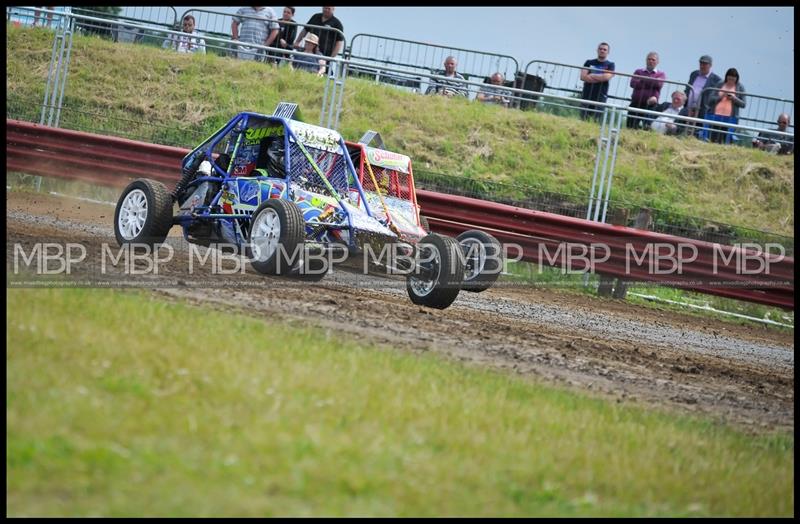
696, 100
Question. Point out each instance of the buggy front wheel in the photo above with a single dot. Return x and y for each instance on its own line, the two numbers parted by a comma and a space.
277, 231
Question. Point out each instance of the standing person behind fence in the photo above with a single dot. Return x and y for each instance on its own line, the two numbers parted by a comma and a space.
595, 76
493, 94
330, 41
645, 88
774, 143
260, 31
724, 103
448, 88
696, 98
189, 42
286, 33
310, 63
36, 14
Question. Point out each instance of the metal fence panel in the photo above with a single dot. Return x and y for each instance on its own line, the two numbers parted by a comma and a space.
367, 53
759, 111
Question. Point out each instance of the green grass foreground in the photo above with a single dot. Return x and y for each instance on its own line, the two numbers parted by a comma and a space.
124, 404
147, 93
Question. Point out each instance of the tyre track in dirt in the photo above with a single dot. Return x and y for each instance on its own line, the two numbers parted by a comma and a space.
736, 374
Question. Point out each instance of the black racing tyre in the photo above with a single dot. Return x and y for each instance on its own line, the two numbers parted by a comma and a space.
423, 222
143, 214
437, 280
311, 268
482, 263
277, 232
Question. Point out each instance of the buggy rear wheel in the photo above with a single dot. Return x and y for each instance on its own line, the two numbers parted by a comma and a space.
482, 260
423, 222
311, 267
143, 214
437, 279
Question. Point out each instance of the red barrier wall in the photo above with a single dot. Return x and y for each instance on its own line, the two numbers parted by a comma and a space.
716, 268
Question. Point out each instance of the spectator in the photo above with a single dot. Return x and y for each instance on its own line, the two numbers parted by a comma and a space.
696, 98
495, 95
49, 16
665, 124
190, 42
448, 87
595, 79
774, 143
724, 102
330, 42
286, 33
309, 63
645, 90
261, 30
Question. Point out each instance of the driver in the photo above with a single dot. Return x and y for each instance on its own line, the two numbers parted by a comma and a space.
270, 160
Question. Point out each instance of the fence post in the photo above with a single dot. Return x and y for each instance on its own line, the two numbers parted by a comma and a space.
69, 24
615, 130
644, 220
606, 285
600, 146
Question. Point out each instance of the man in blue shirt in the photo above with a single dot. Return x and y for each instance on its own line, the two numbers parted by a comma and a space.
595, 78
696, 97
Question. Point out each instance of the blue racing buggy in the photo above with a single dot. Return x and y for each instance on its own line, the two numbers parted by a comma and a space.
286, 194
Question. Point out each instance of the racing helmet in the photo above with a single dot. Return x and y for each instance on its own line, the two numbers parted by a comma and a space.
275, 156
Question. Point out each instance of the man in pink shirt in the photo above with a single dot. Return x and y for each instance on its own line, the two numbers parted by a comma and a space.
646, 84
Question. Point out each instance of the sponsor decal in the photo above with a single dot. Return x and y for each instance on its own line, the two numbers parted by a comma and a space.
244, 169
316, 137
227, 199
254, 134
381, 158
248, 192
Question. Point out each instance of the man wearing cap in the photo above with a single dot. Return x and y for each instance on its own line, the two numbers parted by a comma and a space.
696, 100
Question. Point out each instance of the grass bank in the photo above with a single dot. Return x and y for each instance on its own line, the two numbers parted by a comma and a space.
122, 404
155, 95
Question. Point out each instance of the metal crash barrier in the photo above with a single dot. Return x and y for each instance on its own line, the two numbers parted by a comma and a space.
47, 151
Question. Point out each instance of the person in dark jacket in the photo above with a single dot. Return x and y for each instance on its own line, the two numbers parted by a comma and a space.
665, 124
696, 98
286, 34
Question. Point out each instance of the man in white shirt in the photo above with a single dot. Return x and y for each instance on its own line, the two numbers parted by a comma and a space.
665, 124
190, 42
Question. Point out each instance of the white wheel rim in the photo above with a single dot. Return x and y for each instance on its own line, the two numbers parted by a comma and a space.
476, 259
132, 214
266, 233
421, 287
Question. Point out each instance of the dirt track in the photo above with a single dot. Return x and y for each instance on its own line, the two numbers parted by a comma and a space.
739, 374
